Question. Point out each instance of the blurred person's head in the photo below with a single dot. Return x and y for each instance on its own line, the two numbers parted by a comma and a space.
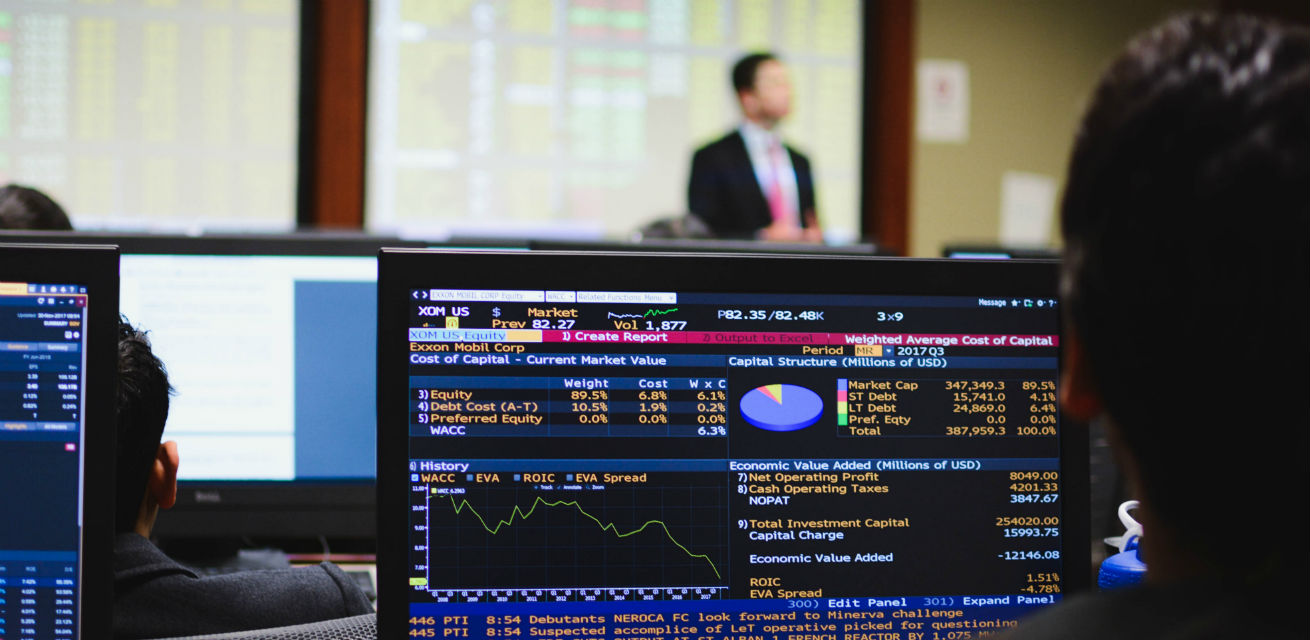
28, 209
147, 469
1186, 220
763, 88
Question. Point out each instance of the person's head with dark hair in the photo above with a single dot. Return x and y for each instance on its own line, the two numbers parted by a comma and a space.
147, 468
1186, 220
763, 88
26, 208
743, 72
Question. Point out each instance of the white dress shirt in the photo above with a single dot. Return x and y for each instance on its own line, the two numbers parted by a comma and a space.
758, 141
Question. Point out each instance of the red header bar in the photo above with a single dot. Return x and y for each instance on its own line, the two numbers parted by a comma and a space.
602, 336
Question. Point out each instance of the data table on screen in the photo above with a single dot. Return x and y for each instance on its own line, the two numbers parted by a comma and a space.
708, 464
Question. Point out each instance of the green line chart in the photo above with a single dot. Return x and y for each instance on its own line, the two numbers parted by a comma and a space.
668, 530
638, 316
462, 504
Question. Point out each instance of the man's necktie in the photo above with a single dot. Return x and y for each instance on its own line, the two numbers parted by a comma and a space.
777, 202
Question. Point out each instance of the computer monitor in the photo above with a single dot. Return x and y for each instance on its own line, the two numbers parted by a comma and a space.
610, 445
269, 343
58, 354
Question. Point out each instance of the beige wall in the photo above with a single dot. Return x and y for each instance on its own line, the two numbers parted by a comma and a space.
1032, 65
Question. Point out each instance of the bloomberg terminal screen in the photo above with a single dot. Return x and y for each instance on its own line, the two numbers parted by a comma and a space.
643, 464
42, 359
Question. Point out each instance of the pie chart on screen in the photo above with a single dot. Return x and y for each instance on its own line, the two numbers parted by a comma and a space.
781, 407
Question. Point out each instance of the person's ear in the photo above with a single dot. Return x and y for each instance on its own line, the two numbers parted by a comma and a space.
162, 484
1079, 396
750, 103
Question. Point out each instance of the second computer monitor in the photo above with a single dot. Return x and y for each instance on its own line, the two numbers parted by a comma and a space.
58, 357
268, 342
270, 346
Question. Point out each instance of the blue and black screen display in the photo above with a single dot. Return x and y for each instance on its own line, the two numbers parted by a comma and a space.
42, 360
616, 464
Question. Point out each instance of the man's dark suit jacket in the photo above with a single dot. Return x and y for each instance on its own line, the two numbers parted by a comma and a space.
155, 597
724, 192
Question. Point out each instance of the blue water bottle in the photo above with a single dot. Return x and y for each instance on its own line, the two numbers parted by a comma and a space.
1125, 568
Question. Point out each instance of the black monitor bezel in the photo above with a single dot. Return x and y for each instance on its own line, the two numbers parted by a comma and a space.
709, 245
96, 267
991, 251
261, 511
400, 271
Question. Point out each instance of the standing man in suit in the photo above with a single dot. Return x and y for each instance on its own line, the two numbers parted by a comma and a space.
748, 183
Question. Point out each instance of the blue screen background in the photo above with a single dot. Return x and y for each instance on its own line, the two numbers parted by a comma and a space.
336, 384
